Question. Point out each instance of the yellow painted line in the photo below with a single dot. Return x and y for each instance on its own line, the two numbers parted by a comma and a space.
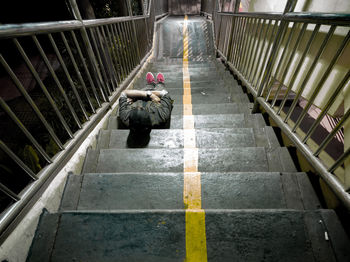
196, 244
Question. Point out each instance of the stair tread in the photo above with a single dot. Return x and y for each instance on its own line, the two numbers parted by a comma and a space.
174, 138
243, 235
226, 190
171, 160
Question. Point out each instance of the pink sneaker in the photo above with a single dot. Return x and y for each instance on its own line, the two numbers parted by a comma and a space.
160, 78
150, 78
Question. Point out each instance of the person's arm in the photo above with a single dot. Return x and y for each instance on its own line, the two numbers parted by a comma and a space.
138, 94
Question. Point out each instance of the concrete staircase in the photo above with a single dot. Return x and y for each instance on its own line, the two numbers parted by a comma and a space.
127, 204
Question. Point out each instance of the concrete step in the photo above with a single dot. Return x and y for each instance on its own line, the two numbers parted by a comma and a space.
174, 138
207, 121
213, 99
210, 109
231, 235
172, 160
205, 138
216, 85
244, 190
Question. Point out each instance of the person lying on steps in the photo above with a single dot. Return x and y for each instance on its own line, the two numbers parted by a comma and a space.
142, 110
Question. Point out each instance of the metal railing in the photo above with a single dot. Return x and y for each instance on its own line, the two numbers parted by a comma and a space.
58, 79
293, 62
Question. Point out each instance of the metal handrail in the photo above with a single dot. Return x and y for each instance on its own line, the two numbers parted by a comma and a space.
264, 51
97, 59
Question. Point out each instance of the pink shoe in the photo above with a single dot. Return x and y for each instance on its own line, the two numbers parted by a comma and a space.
160, 78
150, 78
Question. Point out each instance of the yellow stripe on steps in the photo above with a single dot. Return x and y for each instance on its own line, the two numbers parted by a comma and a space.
196, 245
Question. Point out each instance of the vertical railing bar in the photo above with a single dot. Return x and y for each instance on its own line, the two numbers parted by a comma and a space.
77, 71
237, 39
329, 137
245, 42
86, 68
255, 47
58, 54
231, 39
298, 67
138, 57
123, 48
120, 49
235, 52
133, 45
12, 115
97, 51
340, 161
30, 101
109, 57
321, 82
43, 88
281, 60
104, 54
113, 53
240, 44
117, 51
269, 66
260, 55
327, 106
57, 81
250, 48
17, 160
268, 53
295, 48
9, 192
310, 71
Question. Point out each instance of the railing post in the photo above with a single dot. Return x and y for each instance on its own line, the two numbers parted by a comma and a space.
282, 28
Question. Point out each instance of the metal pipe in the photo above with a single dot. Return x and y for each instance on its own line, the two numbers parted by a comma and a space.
77, 71
30, 101
20, 125
340, 161
255, 47
250, 48
267, 53
323, 79
242, 58
310, 71
295, 48
106, 88
113, 53
9, 192
57, 81
327, 106
87, 72
105, 59
17, 160
120, 48
109, 58
329, 137
251, 39
279, 66
43, 88
298, 67
241, 41
116, 43
65, 70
